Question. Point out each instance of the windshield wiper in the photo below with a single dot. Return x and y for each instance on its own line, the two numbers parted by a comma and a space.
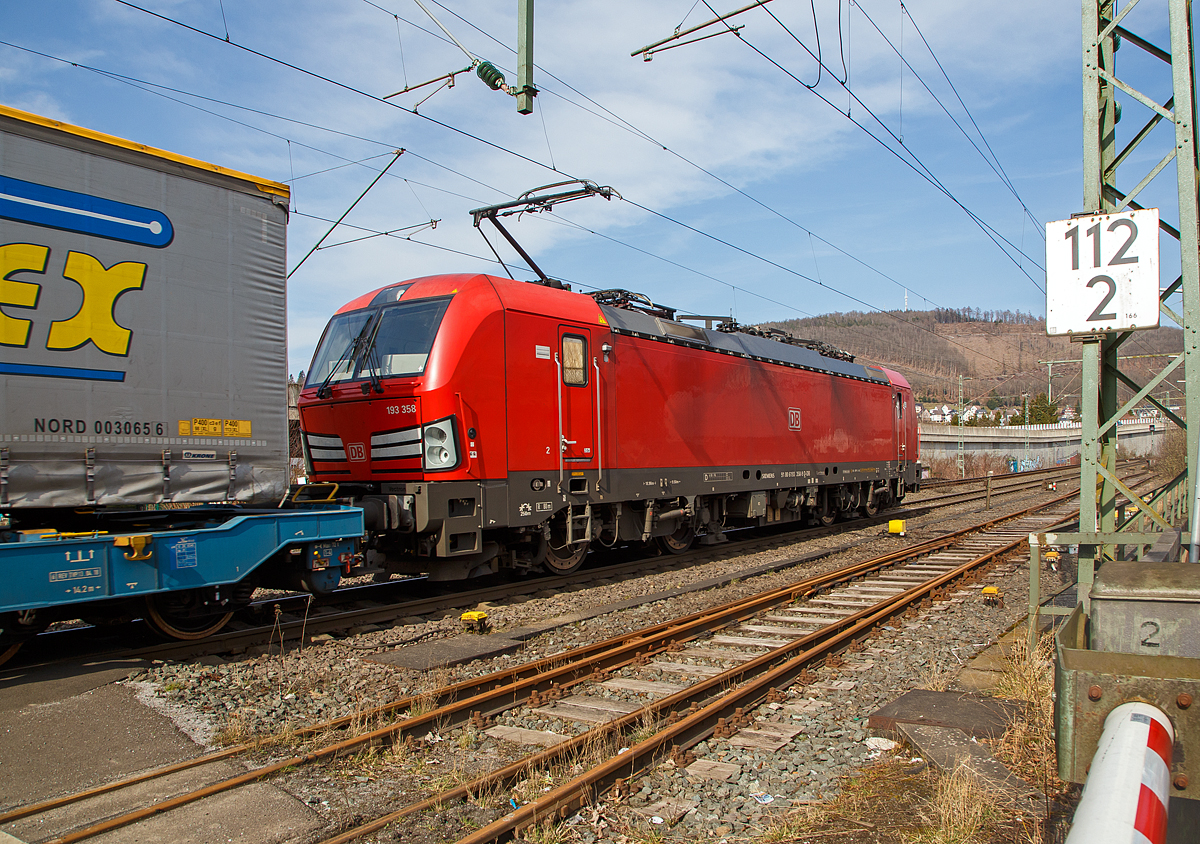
370, 354
349, 356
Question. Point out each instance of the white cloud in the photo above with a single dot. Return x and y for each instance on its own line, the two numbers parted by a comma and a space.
716, 103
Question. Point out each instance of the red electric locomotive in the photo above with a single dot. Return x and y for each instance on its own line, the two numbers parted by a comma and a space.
484, 423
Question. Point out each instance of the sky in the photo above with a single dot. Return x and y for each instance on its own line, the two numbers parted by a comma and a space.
749, 182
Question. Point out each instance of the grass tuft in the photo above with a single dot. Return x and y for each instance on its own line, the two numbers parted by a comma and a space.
236, 730
962, 811
1027, 746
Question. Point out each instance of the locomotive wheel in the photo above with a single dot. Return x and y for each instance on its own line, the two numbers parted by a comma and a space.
564, 559
871, 507
825, 512
679, 541
174, 626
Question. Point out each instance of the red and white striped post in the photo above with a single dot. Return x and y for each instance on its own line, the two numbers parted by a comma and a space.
1125, 798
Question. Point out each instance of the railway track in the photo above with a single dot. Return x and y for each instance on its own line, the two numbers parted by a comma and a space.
294, 616
934, 483
727, 659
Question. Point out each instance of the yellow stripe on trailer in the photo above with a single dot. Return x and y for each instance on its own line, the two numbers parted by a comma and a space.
264, 185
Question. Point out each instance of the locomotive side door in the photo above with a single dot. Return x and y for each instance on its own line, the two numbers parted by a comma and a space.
901, 432
576, 392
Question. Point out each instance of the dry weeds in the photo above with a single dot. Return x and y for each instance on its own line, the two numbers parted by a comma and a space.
961, 811
546, 833
1172, 453
882, 798
935, 679
1027, 746
235, 731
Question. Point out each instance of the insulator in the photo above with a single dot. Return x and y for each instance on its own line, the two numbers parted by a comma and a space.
491, 75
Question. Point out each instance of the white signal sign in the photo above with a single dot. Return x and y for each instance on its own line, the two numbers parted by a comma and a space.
1102, 273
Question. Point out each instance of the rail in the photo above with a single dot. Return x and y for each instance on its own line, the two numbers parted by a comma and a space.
373, 604
474, 700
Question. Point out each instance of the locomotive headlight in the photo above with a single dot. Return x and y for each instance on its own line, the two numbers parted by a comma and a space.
441, 451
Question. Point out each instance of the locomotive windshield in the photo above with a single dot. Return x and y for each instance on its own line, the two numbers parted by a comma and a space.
377, 342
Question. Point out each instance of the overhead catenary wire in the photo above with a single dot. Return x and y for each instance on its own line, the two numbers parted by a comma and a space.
753, 293
789, 270
378, 99
918, 167
559, 218
993, 161
689, 227
334, 82
363, 93
158, 90
395, 236
988, 230
616, 120
916, 164
790, 307
366, 190
921, 170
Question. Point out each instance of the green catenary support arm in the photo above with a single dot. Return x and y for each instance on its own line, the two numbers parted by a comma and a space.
525, 90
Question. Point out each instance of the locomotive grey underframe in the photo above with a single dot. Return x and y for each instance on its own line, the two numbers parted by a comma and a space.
461, 512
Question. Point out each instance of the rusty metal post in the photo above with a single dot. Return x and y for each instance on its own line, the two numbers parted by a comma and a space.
1035, 586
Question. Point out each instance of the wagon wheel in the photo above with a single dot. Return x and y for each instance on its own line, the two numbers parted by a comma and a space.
679, 541
10, 652
167, 622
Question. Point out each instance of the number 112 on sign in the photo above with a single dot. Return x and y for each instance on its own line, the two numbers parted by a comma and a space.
1102, 273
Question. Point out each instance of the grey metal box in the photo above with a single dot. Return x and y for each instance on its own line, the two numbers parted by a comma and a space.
1152, 609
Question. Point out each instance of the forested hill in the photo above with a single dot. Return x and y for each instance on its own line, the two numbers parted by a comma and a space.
994, 350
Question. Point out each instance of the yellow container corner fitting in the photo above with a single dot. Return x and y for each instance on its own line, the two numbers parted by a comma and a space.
896, 526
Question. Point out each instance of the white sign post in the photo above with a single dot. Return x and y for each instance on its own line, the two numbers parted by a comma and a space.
1102, 273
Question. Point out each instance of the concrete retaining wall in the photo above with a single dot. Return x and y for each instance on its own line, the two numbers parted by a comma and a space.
1048, 444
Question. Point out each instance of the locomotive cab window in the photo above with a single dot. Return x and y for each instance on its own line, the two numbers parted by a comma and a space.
378, 342
574, 361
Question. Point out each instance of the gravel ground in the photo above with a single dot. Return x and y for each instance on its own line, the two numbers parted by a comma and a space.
922, 653
219, 701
